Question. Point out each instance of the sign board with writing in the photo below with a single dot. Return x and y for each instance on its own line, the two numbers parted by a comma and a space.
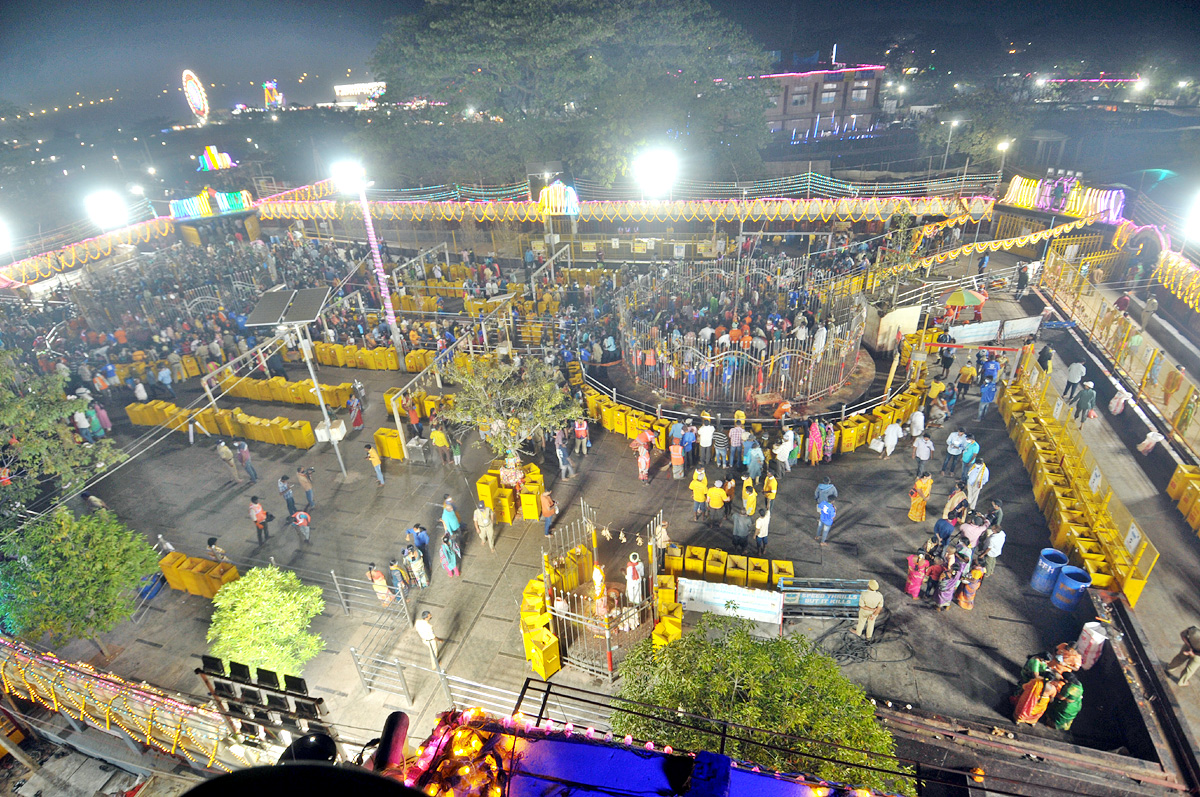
588, 246
760, 605
1058, 408
639, 246
537, 245
680, 251
1095, 481
821, 597
614, 243
984, 332
1133, 538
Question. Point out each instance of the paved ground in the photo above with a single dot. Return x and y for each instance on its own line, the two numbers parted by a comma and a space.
957, 662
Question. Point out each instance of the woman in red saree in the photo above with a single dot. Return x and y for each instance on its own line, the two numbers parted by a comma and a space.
918, 566
1034, 699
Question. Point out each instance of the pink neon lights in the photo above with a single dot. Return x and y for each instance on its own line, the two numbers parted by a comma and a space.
1093, 80
858, 68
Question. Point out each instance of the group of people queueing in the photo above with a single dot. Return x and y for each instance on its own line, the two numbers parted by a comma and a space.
409, 570
1050, 687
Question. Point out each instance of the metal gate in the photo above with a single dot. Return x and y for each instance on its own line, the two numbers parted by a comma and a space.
595, 630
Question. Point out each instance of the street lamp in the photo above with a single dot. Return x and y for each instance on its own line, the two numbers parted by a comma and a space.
1003, 147
953, 124
1191, 224
106, 209
655, 171
351, 178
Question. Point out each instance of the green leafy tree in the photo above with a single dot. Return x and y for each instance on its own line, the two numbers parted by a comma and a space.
262, 619
72, 577
585, 81
783, 686
515, 401
36, 437
985, 119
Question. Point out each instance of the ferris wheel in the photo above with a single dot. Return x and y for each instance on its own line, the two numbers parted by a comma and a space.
193, 91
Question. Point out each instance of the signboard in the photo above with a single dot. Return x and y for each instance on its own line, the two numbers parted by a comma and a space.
680, 251
1133, 538
983, 332
639, 246
614, 243
1095, 481
1021, 327
537, 245
589, 246
760, 605
1058, 408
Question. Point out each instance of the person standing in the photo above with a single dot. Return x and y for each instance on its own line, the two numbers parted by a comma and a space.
450, 514
966, 378
1188, 657
227, 457
582, 440
304, 479
1022, 281
414, 560
549, 509
956, 441
826, 512
1075, 373
699, 488
825, 491
635, 574
918, 566
424, 629
216, 553
376, 462
243, 457
450, 554
970, 451
761, 529
993, 546
643, 464
1171, 384
485, 524
716, 503
1045, 356
439, 440
285, 490
1084, 403
922, 452
164, 379
260, 518
721, 447
918, 495
676, 450
704, 438
870, 606
977, 477
303, 523
399, 577
737, 436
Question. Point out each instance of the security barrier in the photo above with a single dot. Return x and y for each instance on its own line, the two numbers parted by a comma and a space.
280, 390
229, 423
1087, 521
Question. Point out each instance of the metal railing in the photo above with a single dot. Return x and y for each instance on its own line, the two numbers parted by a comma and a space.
806, 185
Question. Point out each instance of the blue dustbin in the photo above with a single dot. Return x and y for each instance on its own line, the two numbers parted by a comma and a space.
1069, 588
1046, 573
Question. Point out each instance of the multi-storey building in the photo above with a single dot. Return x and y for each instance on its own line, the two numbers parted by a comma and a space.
826, 101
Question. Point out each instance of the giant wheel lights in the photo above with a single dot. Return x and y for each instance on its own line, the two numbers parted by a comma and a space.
193, 91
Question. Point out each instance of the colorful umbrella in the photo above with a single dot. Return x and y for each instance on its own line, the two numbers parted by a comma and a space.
964, 298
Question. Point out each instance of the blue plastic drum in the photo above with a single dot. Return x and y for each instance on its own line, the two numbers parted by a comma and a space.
1045, 575
1069, 588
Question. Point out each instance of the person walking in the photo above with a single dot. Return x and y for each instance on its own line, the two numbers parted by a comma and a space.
485, 524
1075, 373
643, 464
761, 529
376, 462
891, 436
450, 554
1085, 403
164, 379
243, 457
922, 452
439, 440
970, 451
826, 512
1148, 310
304, 479
987, 394
918, 495
399, 577
1188, 657
870, 606
227, 457
1022, 281
699, 488
977, 477
565, 466
354, 407
966, 378
549, 508
303, 523
285, 490
425, 632
260, 518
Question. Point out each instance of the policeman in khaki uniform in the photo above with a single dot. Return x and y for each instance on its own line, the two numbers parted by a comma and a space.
870, 605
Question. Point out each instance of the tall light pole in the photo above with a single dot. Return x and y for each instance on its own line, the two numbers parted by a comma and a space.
655, 171
950, 137
351, 178
1003, 147
106, 209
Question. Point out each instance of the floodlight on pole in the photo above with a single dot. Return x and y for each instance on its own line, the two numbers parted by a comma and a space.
106, 209
655, 171
945, 157
1003, 147
351, 178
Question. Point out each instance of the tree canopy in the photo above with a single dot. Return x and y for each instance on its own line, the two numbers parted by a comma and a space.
36, 440
784, 686
985, 118
515, 401
72, 577
262, 618
583, 81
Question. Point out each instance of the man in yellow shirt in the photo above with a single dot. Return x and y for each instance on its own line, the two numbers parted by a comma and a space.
376, 462
442, 443
966, 378
716, 502
770, 488
936, 387
699, 488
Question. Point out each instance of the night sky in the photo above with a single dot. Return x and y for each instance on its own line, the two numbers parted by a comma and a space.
51, 50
